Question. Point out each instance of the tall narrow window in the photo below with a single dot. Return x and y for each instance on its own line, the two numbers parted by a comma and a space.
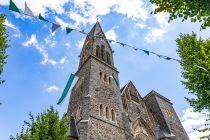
100, 75
105, 80
113, 115
102, 52
110, 80
97, 51
107, 113
101, 110
108, 58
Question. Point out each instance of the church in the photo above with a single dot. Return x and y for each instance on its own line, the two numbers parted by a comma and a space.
103, 111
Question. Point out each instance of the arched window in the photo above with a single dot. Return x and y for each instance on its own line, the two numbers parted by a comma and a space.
101, 110
100, 75
113, 115
105, 79
107, 113
102, 52
97, 51
108, 58
110, 80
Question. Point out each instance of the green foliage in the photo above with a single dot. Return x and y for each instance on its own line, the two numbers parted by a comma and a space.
3, 44
186, 9
195, 61
46, 126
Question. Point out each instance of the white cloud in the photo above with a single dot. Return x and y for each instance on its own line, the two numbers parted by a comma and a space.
194, 120
32, 41
50, 40
90, 9
63, 60
80, 43
111, 34
157, 33
61, 22
52, 88
68, 45
10, 25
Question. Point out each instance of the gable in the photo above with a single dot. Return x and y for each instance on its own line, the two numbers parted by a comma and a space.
130, 92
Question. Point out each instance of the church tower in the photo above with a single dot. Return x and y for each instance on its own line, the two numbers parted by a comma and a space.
95, 99
103, 111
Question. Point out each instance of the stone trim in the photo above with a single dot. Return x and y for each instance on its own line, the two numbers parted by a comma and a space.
97, 118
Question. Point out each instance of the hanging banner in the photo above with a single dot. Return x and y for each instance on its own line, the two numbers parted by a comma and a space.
115, 79
66, 89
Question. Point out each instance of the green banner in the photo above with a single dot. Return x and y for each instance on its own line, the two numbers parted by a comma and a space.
115, 79
13, 7
66, 89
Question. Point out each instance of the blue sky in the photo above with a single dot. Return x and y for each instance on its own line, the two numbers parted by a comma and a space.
40, 62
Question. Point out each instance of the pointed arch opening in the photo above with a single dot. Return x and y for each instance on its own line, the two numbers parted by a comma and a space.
102, 52
105, 78
100, 75
108, 60
107, 112
113, 115
101, 110
110, 80
97, 51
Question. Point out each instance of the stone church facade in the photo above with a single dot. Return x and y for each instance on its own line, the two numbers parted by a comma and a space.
103, 111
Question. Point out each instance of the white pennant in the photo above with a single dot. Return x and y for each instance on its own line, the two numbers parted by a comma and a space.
28, 10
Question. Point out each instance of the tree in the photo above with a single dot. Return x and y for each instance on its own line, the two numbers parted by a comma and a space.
3, 44
195, 61
185, 9
47, 126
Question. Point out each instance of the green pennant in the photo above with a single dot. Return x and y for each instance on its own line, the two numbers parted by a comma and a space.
66, 89
13, 7
147, 52
42, 18
115, 79
68, 30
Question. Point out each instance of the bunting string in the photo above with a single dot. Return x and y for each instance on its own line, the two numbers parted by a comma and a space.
55, 26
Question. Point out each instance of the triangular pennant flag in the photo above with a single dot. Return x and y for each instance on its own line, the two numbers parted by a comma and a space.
167, 58
68, 30
28, 11
66, 89
115, 79
147, 52
42, 18
122, 44
13, 7
55, 27
110, 41
135, 49
83, 31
